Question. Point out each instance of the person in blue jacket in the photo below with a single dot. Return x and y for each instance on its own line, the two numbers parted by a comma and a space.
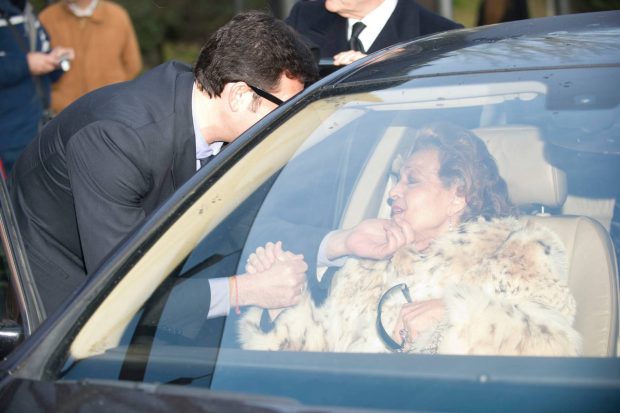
28, 66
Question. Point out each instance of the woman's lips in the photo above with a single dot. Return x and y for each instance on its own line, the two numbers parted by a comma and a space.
396, 210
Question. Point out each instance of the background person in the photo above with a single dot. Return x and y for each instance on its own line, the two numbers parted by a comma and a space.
28, 65
329, 25
481, 282
112, 157
105, 44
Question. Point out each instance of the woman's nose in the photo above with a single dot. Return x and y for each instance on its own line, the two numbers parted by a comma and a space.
395, 191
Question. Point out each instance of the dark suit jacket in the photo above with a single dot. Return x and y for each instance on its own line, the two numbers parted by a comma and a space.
97, 170
328, 31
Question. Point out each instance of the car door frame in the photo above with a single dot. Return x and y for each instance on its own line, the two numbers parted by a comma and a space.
21, 280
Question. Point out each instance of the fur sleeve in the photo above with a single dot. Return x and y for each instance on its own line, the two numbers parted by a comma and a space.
294, 329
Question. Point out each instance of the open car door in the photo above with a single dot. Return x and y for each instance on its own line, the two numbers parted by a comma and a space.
21, 309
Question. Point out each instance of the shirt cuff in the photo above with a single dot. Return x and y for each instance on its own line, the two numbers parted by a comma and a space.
220, 297
322, 262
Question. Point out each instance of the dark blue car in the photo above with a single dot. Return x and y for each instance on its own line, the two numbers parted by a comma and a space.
543, 94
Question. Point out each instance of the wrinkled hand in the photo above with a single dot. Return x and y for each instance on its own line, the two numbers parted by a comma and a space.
264, 257
417, 318
348, 57
372, 238
275, 278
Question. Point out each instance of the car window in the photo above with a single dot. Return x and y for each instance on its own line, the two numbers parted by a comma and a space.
329, 166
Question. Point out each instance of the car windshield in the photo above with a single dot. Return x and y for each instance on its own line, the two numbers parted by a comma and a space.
341, 159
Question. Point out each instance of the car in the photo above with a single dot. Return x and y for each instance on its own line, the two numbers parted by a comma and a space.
544, 96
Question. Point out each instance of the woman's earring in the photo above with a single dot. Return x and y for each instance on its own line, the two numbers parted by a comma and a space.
450, 227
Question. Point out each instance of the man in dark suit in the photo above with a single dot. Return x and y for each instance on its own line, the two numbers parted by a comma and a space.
111, 158
329, 25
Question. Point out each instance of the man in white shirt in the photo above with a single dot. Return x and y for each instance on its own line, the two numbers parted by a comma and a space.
328, 25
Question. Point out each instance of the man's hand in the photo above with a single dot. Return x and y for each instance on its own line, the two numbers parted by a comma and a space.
348, 57
274, 278
43, 63
372, 238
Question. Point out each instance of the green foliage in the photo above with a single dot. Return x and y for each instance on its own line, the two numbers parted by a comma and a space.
175, 29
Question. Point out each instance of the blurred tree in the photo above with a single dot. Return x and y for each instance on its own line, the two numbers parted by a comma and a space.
175, 29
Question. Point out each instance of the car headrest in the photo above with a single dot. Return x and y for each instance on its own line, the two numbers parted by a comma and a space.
520, 155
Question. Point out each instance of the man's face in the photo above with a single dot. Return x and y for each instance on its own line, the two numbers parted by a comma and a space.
352, 9
256, 107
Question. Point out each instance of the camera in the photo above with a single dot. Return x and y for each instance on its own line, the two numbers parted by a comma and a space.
65, 63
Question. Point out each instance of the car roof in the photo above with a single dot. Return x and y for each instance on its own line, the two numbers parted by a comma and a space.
587, 39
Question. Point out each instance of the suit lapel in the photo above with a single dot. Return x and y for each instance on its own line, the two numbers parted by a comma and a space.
331, 33
403, 24
337, 37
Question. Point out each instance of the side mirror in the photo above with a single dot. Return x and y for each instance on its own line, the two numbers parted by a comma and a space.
11, 334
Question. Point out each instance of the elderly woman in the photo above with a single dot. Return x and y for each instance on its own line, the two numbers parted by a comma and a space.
475, 279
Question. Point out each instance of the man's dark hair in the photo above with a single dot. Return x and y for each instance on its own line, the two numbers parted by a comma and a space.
256, 48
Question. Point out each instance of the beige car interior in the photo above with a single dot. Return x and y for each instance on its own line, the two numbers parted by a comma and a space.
520, 155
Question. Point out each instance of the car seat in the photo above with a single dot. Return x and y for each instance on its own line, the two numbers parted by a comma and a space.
520, 154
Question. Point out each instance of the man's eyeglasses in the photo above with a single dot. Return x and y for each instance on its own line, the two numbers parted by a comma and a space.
262, 93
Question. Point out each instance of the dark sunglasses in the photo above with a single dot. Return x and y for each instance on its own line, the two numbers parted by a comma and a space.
262, 93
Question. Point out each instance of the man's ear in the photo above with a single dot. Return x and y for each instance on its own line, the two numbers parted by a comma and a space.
236, 95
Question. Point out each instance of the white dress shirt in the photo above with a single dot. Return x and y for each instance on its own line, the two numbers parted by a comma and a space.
374, 21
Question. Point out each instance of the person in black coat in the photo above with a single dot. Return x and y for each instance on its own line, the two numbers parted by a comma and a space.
112, 157
28, 66
327, 25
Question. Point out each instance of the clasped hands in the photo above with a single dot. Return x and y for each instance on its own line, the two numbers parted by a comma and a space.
276, 277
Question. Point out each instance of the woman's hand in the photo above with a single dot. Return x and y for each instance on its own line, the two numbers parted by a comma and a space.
417, 318
372, 238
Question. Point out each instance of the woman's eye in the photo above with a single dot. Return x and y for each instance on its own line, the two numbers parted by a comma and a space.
411, 180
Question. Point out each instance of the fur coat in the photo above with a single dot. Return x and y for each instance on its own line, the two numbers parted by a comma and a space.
503, 283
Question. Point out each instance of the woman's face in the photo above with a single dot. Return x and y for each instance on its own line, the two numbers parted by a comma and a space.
420, 199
